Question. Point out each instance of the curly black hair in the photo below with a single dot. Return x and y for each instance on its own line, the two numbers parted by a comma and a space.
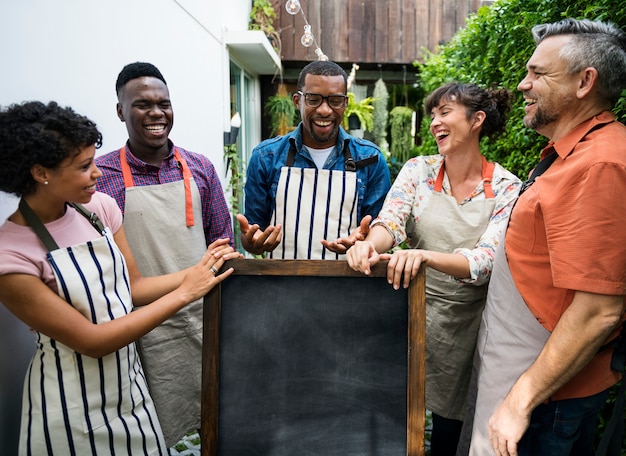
34, 133
495, 103
137, 70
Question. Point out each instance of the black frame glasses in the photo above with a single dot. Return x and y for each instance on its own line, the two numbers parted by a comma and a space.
315, 100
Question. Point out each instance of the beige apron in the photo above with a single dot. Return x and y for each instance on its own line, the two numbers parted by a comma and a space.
78, 405
509, 341
313, 204
453, 309
156, 222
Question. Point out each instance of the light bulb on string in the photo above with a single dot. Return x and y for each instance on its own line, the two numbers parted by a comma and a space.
292, 7
307, 39
320, 55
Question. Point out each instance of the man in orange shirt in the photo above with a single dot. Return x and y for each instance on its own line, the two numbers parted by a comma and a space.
558, 284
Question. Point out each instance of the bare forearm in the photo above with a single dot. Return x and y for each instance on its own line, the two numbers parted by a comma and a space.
380, 238
148, 289
453, 264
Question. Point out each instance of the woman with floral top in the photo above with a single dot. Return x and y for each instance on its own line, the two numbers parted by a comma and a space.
451, 209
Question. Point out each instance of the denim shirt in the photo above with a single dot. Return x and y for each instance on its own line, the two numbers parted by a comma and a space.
263, 172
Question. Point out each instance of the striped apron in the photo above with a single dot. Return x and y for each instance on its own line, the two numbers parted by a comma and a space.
314, 204
78, 405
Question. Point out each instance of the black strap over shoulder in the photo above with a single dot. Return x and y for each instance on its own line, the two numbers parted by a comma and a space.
349, 163
541, 168
42, 232
37, 226
91, 216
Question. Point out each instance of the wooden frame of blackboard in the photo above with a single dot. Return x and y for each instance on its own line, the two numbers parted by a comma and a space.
416, 341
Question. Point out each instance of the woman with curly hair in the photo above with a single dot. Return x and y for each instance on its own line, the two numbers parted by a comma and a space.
67, 272
450, 208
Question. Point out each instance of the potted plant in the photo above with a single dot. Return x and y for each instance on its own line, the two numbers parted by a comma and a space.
281, 110
363, 111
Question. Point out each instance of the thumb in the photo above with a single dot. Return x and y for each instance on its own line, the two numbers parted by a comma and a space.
365, 224
243, 223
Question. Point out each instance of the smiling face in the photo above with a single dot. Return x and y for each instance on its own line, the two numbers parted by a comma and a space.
451, 127
144, 104
549, 90
321, 124
75, 178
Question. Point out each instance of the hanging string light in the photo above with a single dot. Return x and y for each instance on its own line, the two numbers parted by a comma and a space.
293, 7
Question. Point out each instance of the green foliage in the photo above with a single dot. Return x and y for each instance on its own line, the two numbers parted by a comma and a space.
401, 139
493, 49
235, 185
363, 109
282, 113
262, 16
381, 100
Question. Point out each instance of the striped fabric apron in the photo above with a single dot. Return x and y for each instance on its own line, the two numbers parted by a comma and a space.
314, 204
78, 405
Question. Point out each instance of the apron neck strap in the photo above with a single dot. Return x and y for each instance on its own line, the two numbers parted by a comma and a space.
487, 176
129, 183
488, 168
187, 182
349, 163
42, 232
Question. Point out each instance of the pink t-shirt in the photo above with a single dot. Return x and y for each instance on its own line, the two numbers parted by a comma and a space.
22, 252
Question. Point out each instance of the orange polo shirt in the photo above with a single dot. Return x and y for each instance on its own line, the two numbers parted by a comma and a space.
567, 233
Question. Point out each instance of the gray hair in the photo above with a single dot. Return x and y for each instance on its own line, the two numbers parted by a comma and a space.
596, 44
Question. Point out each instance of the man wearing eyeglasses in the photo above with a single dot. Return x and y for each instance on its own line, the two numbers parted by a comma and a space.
315, 183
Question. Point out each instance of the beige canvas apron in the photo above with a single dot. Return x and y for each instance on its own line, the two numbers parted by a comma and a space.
313, 204
156, 219
509, 341
453, 309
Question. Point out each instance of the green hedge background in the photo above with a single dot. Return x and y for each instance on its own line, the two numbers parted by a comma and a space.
493, 49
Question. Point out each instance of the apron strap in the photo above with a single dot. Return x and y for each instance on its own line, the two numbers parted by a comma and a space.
126, 174
487, 175
91, 216
349, 163
187, 182
488, 168
129, 183
37, 226
42, 232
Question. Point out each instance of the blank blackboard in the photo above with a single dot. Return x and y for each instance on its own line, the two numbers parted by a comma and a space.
307, 357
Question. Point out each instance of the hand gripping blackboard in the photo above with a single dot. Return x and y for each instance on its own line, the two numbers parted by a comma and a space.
308, 357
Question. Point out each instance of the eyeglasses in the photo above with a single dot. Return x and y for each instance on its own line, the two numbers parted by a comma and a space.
314, 100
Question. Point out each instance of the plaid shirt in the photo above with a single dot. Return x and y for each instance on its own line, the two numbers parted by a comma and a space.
216, 218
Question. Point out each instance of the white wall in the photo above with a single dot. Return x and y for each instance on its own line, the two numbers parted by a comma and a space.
71, 51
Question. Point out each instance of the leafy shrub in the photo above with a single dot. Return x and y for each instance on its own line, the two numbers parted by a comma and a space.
493, 48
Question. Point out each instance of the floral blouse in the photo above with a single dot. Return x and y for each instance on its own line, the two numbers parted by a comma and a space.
411, 191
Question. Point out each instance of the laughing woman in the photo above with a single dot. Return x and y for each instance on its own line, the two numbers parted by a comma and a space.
451, 209
67, 272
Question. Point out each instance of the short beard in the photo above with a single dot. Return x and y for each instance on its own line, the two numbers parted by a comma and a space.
541, 118
332, 136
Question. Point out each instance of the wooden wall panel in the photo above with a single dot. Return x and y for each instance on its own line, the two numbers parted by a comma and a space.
409, 26
394, 34
382, 31
372, 31
422, 25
